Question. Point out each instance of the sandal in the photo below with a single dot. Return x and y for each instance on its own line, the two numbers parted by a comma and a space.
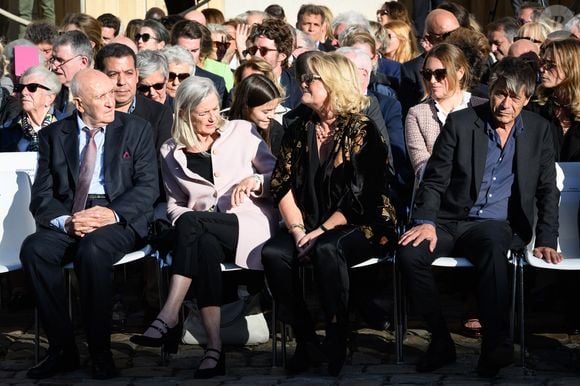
210, 372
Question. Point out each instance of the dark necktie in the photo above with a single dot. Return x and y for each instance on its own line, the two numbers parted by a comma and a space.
86, 172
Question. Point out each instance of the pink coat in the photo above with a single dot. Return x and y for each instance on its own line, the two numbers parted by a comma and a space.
237, 153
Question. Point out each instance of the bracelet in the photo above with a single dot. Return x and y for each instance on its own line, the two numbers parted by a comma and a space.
292, 226
325, 229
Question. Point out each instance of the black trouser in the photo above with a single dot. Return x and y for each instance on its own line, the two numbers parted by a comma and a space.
485, 244
203, 241
45, 252
333, 253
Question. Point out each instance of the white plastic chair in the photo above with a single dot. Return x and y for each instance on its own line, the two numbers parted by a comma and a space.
568, 182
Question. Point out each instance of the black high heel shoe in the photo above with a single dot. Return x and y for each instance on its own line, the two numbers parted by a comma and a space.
169, 338
219, 369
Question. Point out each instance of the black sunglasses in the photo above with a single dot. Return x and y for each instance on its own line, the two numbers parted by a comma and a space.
546, 64
436, 38
183, 76
439, 74
263, 50
147, 87
32, 87
145, 37
383, 12
527, 38
222, 45
309, 78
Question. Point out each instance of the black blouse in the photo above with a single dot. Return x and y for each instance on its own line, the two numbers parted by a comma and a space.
352, 180
200, 163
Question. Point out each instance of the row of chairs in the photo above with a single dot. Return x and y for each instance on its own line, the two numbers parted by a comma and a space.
16, 223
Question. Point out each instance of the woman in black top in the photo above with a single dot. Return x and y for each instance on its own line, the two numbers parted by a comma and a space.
330, 185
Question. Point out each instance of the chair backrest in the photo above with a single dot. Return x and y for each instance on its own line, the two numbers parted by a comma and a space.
16, 221
568, 180
25, 161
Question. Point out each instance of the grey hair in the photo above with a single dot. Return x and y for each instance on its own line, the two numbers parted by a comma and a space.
79, 44
177, 55
50, 79
212, 27
9, 49
574, 22
511, 75
352, 29
351, 18
243, 17
148, 62
360, 55
305, 39
190, 93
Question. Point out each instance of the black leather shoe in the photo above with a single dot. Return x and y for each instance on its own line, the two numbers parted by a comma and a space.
439, 354
492, 361
54, 363
216, 356
334, 347
103, 367
307, 354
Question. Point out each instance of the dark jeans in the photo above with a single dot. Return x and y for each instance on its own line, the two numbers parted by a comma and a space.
485, 244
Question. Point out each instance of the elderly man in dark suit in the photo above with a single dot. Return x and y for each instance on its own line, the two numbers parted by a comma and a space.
92, 198
489, 166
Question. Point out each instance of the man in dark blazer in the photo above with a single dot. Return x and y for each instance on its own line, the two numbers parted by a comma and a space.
489, 166
111, 220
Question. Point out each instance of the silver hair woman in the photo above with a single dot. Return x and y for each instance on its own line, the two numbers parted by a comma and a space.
153, 74
216, 174
180, 65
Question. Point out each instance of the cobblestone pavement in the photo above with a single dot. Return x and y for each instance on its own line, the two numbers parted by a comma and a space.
552, 361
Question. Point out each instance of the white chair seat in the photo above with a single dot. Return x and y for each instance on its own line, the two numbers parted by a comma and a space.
128, 258
451, 262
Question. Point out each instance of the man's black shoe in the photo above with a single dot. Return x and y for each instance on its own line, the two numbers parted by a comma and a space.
439, 354
54, 363
491, 362
103, 367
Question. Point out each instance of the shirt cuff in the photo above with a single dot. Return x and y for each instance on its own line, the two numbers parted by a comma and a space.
58, 222
421, 222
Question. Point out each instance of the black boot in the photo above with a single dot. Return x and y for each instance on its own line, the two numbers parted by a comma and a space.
334, 346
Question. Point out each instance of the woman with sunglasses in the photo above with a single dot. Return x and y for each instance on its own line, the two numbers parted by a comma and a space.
393, 10
535, 31
37, 92
558, 95
180, 67
256, 99
153, 74
216, 175
151, 36
330, 186
446, 77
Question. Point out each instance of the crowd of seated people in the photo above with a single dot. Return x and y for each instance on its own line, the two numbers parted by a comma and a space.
274, 147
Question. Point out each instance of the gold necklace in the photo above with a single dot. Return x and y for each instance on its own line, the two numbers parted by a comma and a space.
321, 135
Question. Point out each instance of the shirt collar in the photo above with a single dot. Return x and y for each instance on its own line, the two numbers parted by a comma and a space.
81, 124
517, 129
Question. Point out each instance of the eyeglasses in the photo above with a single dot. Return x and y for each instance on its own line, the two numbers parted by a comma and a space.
32, 87
309, 78
263, 50
221, 45
439, 74
145, 37
143, 88
547, 64
436, 38
527, 38
383, 12
61, 62
183, 76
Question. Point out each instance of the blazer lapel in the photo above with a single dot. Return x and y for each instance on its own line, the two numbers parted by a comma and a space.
479, 153
112, 152
70, 144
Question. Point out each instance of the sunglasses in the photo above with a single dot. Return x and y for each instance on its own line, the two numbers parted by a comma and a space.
436, 38
383, 12
309, 78
222, 45
183, 76
32, 87
263, 50
547, 64
527, 38
145, 37
144, 88
439, 74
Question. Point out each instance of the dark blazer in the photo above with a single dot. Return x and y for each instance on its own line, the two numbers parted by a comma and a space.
218, 81
292, 89
9, 108
159, 116
411, 90
455, 170
131, 181
10, 135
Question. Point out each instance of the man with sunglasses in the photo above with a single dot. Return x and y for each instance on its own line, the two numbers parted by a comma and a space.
490, 167
272, 41
438, 25
71, 52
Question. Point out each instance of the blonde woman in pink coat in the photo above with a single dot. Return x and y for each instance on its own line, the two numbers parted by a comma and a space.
216, 175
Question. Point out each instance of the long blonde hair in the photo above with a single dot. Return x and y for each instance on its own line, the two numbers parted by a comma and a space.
190, 93
407, 49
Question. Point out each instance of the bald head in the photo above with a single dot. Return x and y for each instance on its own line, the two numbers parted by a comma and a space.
122, 39
195, 16
522, 46
94, 97
438, 23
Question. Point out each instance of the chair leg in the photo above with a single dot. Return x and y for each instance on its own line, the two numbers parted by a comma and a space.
273, 328
522, 312
398, 317
36, 336
515, 261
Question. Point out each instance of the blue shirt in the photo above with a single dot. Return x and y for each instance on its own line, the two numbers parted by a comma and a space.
498, 176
